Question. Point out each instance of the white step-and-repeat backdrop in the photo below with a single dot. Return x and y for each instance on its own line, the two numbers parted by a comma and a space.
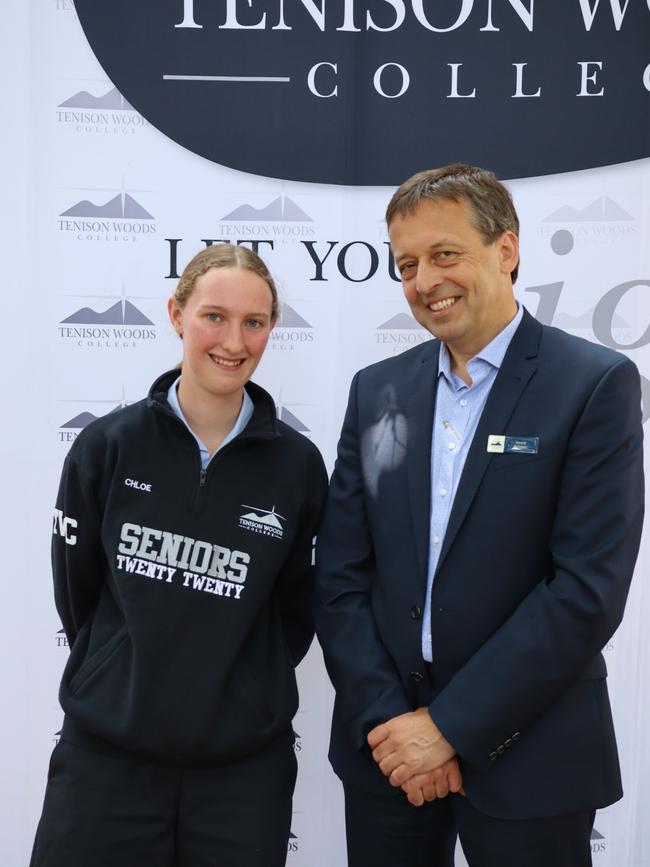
101, 211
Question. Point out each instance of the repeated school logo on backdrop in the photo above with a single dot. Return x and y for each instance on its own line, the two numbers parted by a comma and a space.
398, 333
602, 222
288, 416
80, 413
598, 842
293, 844
107, 322
359, 92
292, 331
104, 114
282, 220
107, 216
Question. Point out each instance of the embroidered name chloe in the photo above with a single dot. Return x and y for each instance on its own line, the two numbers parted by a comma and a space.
140, 486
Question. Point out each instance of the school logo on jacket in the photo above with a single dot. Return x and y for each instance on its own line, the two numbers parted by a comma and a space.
262, 521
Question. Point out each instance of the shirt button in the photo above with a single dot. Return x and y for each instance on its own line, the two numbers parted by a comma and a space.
436, 540
451, 446
443, 492
463, 402
416, 676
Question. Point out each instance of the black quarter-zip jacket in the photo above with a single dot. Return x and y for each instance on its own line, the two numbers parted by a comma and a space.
185, 593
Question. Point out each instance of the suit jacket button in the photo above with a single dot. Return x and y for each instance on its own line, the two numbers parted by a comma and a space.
501, 749
416, 676
416, 612
516, 736
508, 742
493, 757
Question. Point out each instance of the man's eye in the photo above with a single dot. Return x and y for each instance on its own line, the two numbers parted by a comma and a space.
445, 254
407, 269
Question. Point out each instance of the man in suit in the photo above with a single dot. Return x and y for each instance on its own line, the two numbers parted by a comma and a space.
475, 556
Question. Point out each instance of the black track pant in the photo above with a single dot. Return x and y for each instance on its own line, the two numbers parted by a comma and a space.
104, 809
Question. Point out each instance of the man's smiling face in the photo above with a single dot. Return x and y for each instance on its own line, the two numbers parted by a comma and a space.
458, 287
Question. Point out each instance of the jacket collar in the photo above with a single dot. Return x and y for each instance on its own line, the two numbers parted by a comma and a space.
263, 423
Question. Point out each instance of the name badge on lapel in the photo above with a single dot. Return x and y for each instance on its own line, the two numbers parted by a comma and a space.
499, 445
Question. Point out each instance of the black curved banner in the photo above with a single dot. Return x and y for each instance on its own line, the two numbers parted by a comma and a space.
349, 92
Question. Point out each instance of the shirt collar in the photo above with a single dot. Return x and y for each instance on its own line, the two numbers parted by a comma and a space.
242, 420
493, 353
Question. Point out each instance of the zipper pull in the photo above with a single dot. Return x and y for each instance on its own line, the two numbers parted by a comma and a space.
202, 476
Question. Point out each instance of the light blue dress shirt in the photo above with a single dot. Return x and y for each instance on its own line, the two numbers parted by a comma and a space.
243, 418
458, 410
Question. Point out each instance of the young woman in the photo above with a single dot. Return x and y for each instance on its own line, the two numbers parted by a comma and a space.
182, 560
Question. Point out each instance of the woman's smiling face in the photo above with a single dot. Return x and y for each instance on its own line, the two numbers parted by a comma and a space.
225, 325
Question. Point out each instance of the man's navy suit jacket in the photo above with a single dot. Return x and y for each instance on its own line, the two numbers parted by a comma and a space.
530, 585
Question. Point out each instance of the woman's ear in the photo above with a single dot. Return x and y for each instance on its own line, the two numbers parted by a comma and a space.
175, 316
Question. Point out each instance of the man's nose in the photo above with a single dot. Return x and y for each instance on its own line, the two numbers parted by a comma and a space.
429, 277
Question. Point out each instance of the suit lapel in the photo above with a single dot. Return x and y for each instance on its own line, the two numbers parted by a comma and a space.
519, 365
419, 414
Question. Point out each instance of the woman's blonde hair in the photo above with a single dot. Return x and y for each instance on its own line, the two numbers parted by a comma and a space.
224, 256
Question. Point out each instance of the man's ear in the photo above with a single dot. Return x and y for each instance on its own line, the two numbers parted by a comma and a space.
508, 251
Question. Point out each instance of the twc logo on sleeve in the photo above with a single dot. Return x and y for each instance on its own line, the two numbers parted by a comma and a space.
64, 526
262, 521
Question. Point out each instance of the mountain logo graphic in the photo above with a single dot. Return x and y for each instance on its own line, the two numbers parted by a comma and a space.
602, 210
399, 322
112, 99
289, 318
292, 420
280, 210
584, 321
399, 333
121, 205
121, 313
79, 421
596, 835
292, 843
262, 521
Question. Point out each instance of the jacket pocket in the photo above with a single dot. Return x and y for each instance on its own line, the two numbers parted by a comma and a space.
93, 663
547, 448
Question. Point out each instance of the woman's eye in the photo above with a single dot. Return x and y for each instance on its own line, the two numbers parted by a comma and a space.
254, 323
213, 317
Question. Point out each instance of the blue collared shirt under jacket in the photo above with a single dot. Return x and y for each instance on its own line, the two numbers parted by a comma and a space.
458, 410
243, 418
